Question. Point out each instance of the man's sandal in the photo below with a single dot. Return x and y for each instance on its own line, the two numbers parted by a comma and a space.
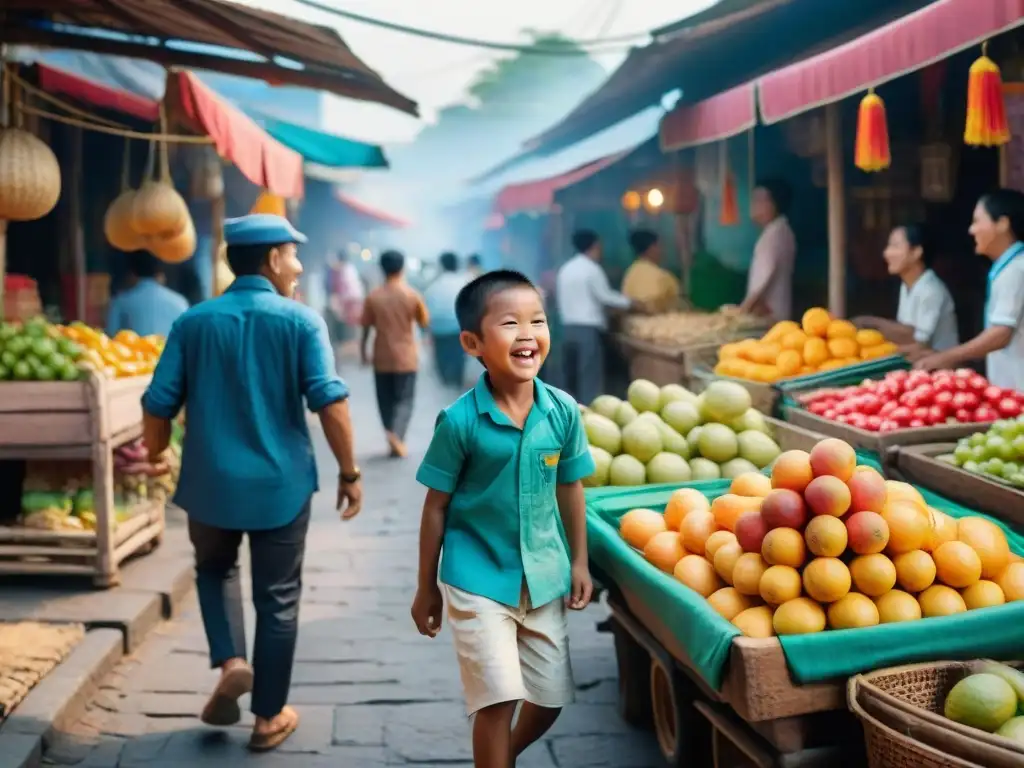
222, 709
270, 740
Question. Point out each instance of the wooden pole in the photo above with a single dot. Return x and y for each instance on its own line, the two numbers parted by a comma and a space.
78, 232
836, 212
3, 266
217, 206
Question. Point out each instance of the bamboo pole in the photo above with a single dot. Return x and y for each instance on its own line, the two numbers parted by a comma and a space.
77, 230
836, 212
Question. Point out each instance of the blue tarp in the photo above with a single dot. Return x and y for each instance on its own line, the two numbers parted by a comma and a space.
289, 114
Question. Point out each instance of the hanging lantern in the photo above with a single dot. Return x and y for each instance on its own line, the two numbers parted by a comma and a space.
158, 211
29, 176
631, 201
871, 151
653, 200
175, 248
986, 111
269, 203
117, 221
729, 216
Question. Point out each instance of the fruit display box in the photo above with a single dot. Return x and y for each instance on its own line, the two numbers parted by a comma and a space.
921, 465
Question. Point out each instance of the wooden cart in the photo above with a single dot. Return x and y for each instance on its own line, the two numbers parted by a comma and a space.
82, 420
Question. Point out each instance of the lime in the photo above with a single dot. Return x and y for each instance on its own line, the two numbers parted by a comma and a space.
1018, 446
977, 439
22, 370
69, 373
1010, 469
7, 331
35, 329
5, 373
962, 454
17, 345
8, 359
44, 348
57, 361
45, 373
972, 466
68, 348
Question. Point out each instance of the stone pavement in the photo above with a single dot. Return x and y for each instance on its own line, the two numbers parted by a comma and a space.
370, 690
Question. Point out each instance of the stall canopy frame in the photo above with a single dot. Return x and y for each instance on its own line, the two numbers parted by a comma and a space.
538, 195
720, 117
367, 211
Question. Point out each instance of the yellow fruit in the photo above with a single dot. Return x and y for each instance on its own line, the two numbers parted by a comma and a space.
755, 622
751, 484
983, 594
765, 352
841, 329
729, 603
725, 560
944, 528
789, 362
826, 536
940, 600
957, 565
716, 540
779, 584
698, 574
852, 611
874, 575
910, 526
815, 351
915, 570
832, 365
780, 329
816, 321
784, 546
696, 528
747, 573
638, 526
989, 541
826, 579
729, 351
664, 550
683, 502
896, 606
868, 337
881, 350
900, 491
843, 348
1011, 580
794, 340
801, 616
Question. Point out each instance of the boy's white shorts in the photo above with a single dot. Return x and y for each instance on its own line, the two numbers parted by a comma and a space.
511, 654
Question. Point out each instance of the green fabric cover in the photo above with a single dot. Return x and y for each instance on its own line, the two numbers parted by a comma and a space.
990, 633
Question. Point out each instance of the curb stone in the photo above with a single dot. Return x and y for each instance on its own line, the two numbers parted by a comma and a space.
58, 699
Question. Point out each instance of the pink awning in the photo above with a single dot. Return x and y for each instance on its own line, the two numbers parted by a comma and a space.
262, 159
913, 42
721, 117
539, 195
367, 211
59, 81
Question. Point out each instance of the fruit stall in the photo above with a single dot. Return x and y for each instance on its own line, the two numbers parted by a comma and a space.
743, 601
70, 410
664, 348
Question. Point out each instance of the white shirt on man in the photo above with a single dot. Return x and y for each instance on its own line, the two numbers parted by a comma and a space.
1006, 308
928, 308
771, 269
584, 294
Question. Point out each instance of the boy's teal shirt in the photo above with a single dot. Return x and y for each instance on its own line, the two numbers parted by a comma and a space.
502, 524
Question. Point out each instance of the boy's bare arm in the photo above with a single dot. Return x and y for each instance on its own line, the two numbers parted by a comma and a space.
428, 604
573, 508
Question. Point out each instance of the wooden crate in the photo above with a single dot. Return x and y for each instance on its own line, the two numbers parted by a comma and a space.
83, 420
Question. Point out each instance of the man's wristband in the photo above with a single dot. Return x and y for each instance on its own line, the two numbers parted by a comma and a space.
352, 477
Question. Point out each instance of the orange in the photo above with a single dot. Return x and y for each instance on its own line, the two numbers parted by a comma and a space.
696, 528
843, 348
944, 528
755, 622
815, 351
900, 491
780, 329
789, 362
765, 352
957, 565
909, 526
826, 536
915, 570
852, 611
897, 606
794, 340
874, 575
728, 508
747, 573
841, 329
729, 603
664, 550
983, 594
869, 337
940, 600
751, 484
881, 350
638, 526
725, 560
716, 540
779, 584
1011, 581
799, 617
832, 365
729, 351
681, 503
826, 579
784, 546
989, 541
792, 470
698, 574
816, 321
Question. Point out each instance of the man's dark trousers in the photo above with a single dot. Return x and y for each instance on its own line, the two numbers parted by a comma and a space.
276, 557
395, 395
583, 359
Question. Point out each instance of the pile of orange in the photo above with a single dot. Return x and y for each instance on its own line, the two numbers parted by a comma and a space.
825, 544
127, 354
818, 343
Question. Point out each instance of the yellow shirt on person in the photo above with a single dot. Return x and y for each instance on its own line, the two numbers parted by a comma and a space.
651, 285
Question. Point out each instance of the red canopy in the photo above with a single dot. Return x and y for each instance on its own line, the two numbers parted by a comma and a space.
539, 195
369, 212
59, 81
906, 45
721, 117
261, 159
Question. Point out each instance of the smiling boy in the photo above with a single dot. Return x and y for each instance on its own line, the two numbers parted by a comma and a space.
506, 458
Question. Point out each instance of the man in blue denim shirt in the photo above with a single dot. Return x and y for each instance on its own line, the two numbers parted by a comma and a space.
147, 306
241, 365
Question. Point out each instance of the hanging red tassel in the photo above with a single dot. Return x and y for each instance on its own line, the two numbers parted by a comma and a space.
729, 216
986, 111
871, 152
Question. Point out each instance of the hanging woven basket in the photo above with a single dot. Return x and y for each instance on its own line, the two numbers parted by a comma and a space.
29, 176
117, 221
158, 210
175, 248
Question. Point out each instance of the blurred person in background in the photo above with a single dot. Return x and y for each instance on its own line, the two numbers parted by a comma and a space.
393, 311
147, 306
345, 296
449, 357
474, 266
646, 281
770, 280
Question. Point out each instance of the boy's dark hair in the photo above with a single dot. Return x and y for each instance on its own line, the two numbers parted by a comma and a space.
779, 191
917, 237
641, 240
145, 265
249, 259
1008, 203
471, 303
583, 240
392, 262
449, 261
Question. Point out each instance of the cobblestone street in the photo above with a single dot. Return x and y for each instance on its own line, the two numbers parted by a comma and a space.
370, 691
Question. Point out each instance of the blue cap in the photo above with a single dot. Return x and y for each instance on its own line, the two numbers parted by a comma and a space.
261, 229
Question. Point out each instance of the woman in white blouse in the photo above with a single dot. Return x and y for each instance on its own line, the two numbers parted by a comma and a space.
926, 317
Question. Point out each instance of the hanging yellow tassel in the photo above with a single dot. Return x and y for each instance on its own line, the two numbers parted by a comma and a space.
269, 203
986, 111
871, 151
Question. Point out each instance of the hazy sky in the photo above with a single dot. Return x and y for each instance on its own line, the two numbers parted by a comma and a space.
435, 73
